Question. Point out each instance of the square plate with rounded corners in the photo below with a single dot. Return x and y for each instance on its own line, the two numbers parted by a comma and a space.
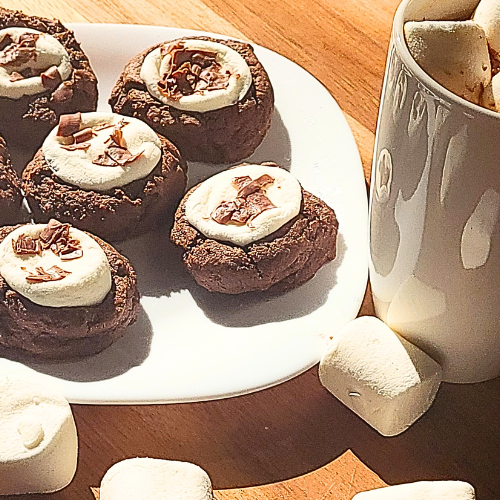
189, 344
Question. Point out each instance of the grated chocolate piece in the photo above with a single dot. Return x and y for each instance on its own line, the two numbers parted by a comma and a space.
15, 77
69, 124
191, 72
51, 78
114, 156
84, 135
248, 188
26, 245
250, 201
19, 52
55, 273
63, 93
52, 232
75, 147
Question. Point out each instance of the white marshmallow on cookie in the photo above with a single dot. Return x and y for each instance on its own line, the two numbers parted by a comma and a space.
76, 163
155, 479
88, 280
487, 15
421, 490
157, 64
38, 439
284, 192
380, 376
454, 53
47, 53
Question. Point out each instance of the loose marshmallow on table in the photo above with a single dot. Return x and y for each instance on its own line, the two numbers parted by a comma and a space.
454, 53
379, 375
487, 15
421, 490
153, 478
38, 440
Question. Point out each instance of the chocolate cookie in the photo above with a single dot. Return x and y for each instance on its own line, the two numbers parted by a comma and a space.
294, 234
43, 73
65, 332
10, 189
184, 90
97, 184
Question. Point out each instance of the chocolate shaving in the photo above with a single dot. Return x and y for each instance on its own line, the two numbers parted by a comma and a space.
75, 147
71, 251
116, 152
191, 72
51, 78
63, 93
26, 245
15, 77
18, 52
56, 237
52, 232
55, 273
250, 201
224, 212
117, 137
103, 126
246, 188
6, 41
114, 156
84, 135
69, 124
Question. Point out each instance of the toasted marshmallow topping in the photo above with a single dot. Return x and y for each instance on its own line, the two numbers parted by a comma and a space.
157, 63
284, 193
85, 281
22, 68
82, 167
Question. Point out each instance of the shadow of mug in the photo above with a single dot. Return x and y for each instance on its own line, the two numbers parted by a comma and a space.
434, 210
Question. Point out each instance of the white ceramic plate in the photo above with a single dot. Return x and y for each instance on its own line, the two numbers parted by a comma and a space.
188, 344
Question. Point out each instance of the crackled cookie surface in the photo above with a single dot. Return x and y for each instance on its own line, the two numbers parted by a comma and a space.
43, 73
211, 97
63, 293
105, 173
252, 228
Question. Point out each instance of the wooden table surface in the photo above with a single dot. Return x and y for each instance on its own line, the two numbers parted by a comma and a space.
294, 440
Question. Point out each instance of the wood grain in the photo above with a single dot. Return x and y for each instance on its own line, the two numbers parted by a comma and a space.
293, 441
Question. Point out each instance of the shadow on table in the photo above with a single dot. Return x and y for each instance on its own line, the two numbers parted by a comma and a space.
298, 427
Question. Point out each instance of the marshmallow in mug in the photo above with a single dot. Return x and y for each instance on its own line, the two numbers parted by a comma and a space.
487, 15
38, 445
454, 53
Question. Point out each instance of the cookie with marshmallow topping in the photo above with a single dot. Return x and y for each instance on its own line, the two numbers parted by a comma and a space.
211, 97
43, 73
253, 228
105, 173
64, 293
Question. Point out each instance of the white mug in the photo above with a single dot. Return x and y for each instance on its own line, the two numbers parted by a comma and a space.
435, 214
